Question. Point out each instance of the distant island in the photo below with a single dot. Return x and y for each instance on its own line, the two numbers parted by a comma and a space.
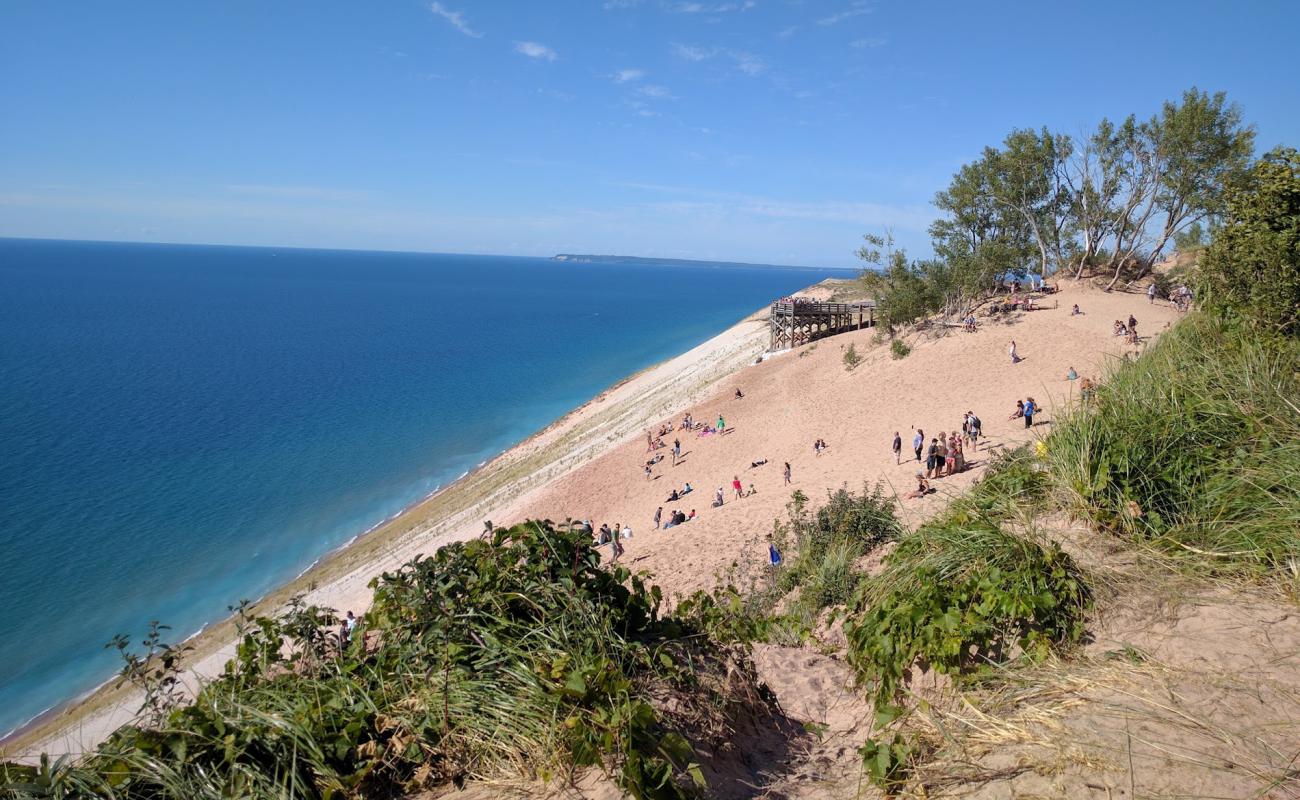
682, 262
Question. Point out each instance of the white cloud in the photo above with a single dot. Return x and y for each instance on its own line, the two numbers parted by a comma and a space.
657, 92
693, 53
707, 8
858, 9
628, 75
456, 18
870, 41
747, 63
536, 50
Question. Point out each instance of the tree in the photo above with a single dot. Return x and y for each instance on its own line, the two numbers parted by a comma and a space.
1027, 180
1173, 169
1252, 268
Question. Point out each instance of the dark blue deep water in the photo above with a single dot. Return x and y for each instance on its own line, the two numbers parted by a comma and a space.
182, 427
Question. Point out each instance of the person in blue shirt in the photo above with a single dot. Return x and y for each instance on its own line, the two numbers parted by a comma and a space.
1030, 408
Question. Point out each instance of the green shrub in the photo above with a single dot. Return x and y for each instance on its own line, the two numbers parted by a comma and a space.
956, 597
899, 349
1194, 447
851, 358
515, 657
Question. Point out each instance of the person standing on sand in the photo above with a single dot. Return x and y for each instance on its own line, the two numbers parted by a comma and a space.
787, 473
722, 424
659, 515
918, 442
1151, 294
677, 450
898, 448
1029, 412
736, 487
931, 456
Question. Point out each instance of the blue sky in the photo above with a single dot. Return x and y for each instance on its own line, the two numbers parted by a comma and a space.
760, 130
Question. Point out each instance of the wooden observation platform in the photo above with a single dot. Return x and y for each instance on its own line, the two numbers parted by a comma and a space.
795, 322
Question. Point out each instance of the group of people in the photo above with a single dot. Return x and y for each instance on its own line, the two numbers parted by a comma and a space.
675, 518
1025, 409
1129, 331
819, 447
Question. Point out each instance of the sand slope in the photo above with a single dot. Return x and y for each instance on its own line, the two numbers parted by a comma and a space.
799, 396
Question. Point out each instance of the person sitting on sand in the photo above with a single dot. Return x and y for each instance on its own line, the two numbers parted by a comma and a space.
1019, 412
752, 490
687, 488
1074, 311
1071, 375
739, 394
922, 488
970, 323
717, 497
758, 463
691, 517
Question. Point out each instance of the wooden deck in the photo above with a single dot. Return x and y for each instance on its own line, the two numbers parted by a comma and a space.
796, 322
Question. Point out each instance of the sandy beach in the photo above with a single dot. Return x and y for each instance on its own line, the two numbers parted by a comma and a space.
590, 464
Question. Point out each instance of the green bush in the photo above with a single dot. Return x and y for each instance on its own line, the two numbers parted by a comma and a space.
851, 358
518, 657
899, 349
1194, 447
957, 597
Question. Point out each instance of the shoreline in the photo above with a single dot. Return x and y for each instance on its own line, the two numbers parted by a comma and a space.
339, 578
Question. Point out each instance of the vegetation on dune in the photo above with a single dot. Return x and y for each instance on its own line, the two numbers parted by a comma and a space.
1108, 202
1195, 448
515, 658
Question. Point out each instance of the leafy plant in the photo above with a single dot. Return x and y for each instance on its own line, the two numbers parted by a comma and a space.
851, 357
899, 349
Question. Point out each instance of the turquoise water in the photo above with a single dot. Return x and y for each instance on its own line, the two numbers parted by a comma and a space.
182, 427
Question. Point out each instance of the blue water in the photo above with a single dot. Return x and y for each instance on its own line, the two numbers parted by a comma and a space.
182, 427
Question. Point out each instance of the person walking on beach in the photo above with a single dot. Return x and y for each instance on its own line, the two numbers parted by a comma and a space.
918, 442
1029, 412
787, 473
615, 545
1151, 294
677, 450
659, 516
736, 487
898, 448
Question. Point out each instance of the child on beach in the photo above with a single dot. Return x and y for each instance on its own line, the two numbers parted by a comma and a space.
1019, 412
736, 487
787, 472
922, 488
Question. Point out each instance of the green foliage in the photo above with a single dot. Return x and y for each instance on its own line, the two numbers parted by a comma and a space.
1191, 238
899, 349
826, 544
888, 762
1194, 447
1252, 269
514, 657
851, 357
955, 597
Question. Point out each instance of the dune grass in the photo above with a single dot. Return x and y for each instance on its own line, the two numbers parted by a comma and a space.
1193, 448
